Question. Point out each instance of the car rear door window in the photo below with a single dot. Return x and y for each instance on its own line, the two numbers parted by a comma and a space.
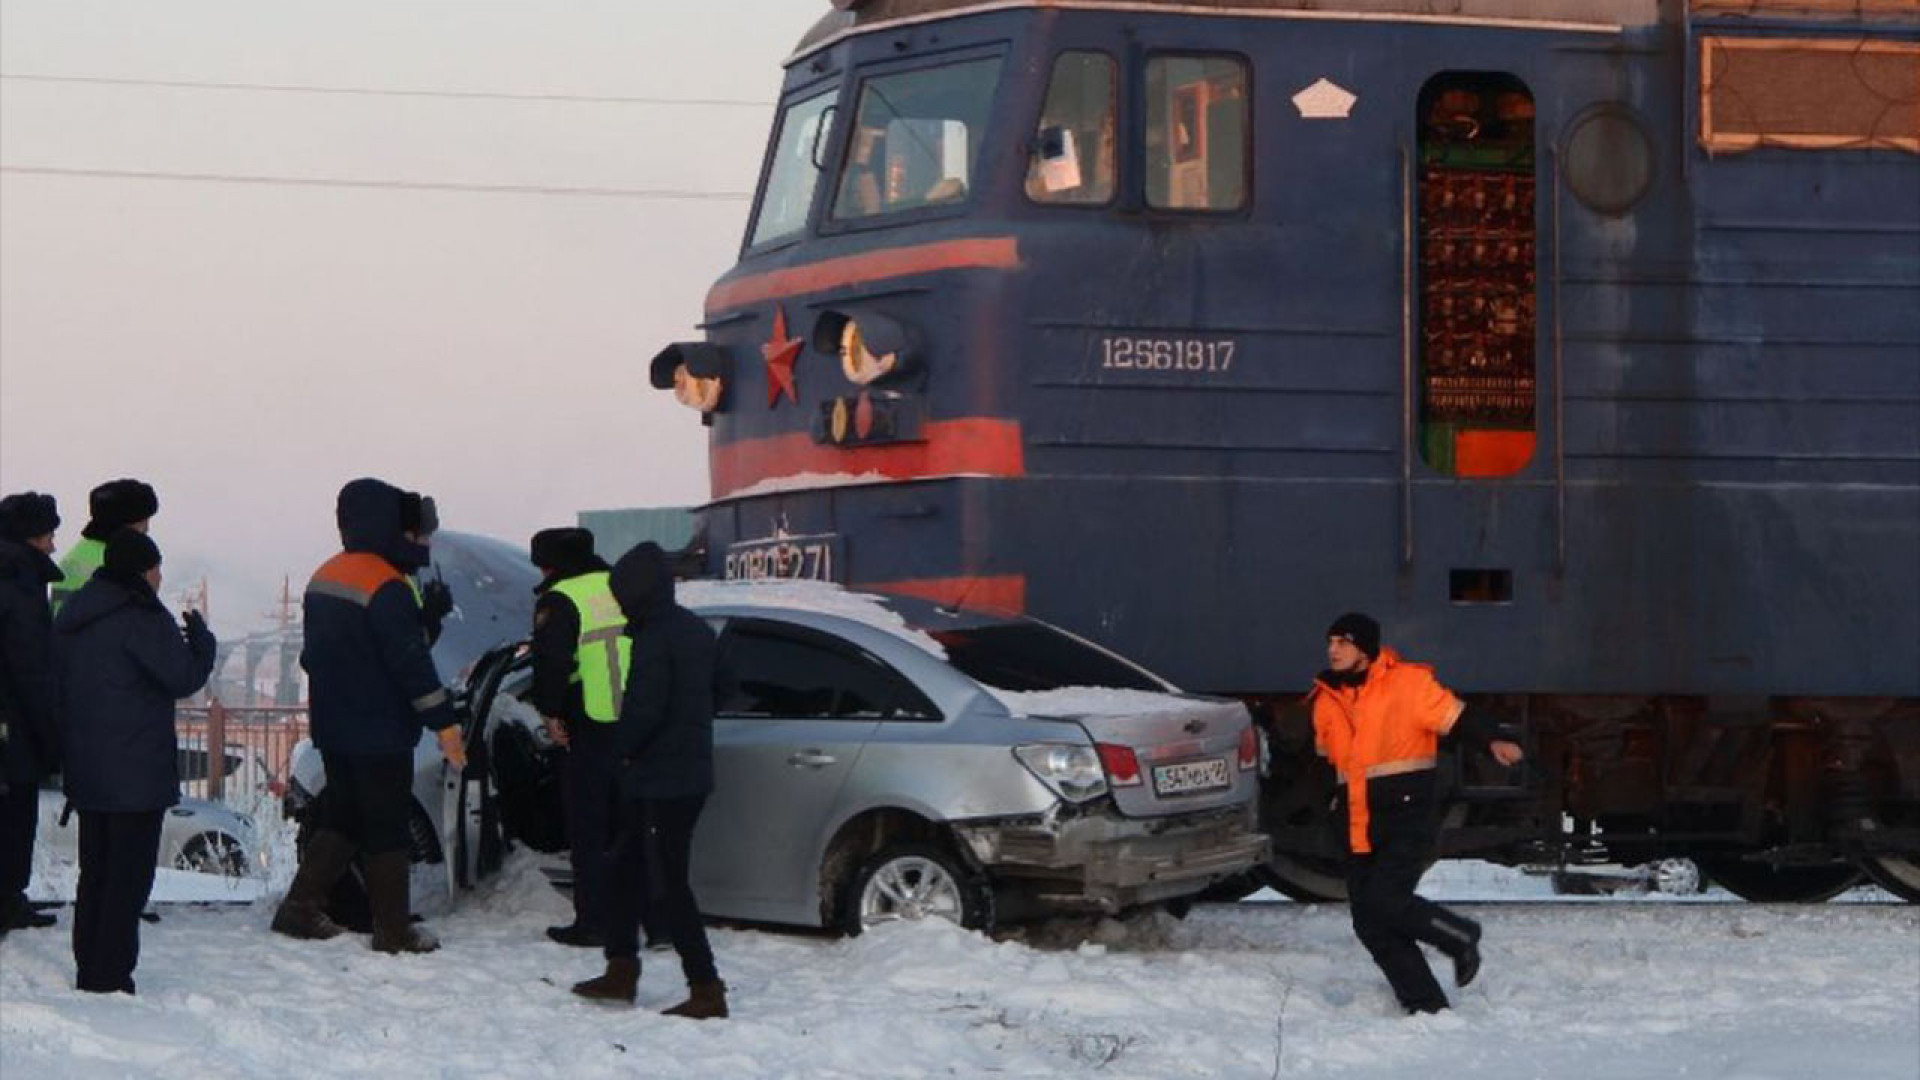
781, 671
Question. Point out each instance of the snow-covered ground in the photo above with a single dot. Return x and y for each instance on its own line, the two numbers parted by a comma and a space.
1255, 990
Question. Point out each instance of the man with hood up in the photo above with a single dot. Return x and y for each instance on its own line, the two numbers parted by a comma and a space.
122, 663
663, 749
110, 506
29, 733
373, 687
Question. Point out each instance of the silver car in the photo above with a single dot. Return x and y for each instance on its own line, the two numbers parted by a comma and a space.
884, 758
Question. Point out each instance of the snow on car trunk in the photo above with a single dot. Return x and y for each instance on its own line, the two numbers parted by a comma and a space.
1163, 753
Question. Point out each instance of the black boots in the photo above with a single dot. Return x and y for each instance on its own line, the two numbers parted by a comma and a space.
18, 913
620, 982
705, 1001
393, 929
303, 913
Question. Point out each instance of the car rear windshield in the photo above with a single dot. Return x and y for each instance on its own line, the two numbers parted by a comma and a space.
1028, 656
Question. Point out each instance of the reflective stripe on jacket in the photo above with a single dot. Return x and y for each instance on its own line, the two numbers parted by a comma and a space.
1389, 725
604, 653
81, 560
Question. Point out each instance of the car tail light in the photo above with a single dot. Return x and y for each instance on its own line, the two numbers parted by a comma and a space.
1072, 772
1249, 748
1123, 768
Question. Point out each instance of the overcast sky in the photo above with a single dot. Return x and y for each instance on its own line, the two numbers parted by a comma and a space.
248, 347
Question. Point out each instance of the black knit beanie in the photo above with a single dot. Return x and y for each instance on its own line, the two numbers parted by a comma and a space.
131, 553
1359, 629
28, 515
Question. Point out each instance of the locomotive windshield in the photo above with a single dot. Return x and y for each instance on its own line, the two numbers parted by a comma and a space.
804, 132
916, 139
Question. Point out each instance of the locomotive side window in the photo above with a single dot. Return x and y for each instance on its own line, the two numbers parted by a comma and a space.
1072, 158
916, 139
1197, 132
1477, 282
805, 129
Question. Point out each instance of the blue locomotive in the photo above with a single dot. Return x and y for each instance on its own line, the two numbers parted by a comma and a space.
1577, 340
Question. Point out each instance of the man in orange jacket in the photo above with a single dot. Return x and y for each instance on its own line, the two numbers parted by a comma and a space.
1380, 720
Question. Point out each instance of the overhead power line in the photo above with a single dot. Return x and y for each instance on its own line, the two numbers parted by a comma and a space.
373, 91
684, 194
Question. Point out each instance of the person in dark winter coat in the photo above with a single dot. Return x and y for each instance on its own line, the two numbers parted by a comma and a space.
373, 688
111, 507
122, 664
29, 733
663, 748
1379, 721
574, 592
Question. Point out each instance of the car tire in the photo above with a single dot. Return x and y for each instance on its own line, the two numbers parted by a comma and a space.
915, 881
212, 853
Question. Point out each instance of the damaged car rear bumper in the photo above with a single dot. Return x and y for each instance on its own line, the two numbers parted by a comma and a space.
1100, 861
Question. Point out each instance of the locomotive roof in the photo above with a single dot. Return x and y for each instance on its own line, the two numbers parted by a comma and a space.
854, 16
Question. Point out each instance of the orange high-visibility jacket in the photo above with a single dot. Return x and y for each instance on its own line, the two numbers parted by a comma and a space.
1389, 725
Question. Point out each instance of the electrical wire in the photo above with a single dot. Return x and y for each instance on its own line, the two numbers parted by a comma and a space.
676, 194
370, 91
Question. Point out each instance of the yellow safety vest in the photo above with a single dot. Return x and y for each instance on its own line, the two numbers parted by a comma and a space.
81, 561
604, 651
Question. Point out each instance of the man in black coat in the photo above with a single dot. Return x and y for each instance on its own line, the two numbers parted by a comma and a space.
373, 688
122, 664
29, 735
663, 747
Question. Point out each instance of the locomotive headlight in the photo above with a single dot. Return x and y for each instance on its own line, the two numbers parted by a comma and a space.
695, 392
858, 361
871, 346
695, 371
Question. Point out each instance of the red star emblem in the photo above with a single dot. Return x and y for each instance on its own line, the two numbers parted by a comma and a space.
780, 351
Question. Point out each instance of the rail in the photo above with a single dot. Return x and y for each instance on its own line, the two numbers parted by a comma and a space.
255, 749
1406, 356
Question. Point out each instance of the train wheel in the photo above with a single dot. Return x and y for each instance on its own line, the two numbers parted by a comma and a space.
1763, 884
1304, 878
1899, 876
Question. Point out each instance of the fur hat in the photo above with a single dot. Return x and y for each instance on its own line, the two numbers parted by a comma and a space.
559, 549
1359, 629
116, 503
131, 553
28, 515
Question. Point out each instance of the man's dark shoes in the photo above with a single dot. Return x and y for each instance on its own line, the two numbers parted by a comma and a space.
1426, 1007
705, 1001
1466, 964
579, 935
619, 983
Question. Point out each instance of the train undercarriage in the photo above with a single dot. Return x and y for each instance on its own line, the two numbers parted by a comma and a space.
1775, 799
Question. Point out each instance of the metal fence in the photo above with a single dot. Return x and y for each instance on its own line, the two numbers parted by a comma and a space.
254, 747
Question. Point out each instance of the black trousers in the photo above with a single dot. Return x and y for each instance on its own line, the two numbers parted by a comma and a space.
593, 802
117, 856
19, 821
1389, 917
648, 873
367, 799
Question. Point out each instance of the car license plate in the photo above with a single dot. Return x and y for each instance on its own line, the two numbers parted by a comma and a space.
1191, 776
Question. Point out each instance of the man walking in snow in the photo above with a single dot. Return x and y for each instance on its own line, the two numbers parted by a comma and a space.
29, 734
373, 687
1379, 720
663, 749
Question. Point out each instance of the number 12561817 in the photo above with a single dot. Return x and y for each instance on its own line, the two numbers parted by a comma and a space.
1166, 354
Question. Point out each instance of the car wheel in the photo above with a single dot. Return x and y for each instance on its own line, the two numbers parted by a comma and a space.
911, 882
212, 853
